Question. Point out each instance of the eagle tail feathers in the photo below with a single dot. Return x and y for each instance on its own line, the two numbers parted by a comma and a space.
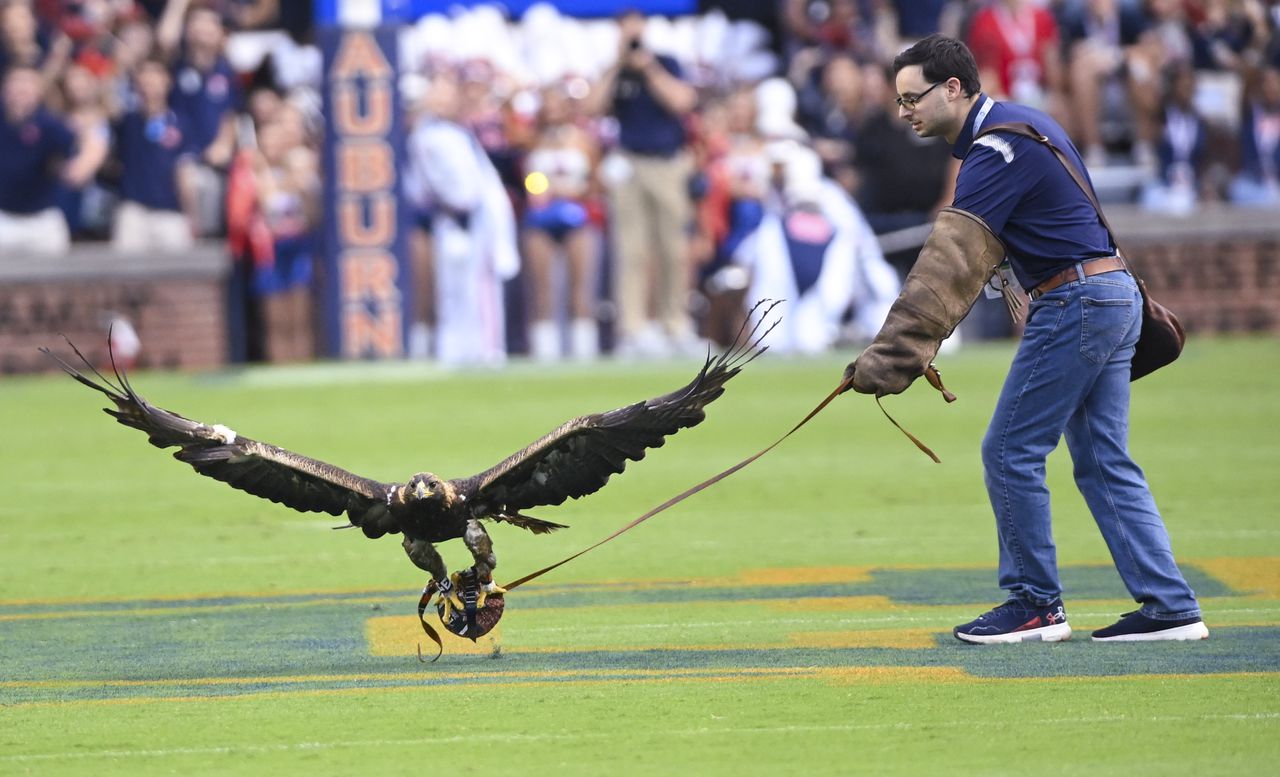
110, 389
746, 344
744, 349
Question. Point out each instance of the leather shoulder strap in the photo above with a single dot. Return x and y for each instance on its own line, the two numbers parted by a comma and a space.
1026, 130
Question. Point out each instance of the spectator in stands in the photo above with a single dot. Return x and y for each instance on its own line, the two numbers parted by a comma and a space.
24, 44
650, 207
132, 44
833, 25
559, 171
82, 107
486, 114
472, 226
737, 170
1258, 182
1168, 33
37, 150
735, 173
1113, 71
1017, 47
815, 250
1181, 148
151, 139
206, 98
1230, 35
287, 176
834, 121
918, 19
903, 179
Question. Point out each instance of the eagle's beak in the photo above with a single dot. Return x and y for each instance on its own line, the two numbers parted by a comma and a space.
420, 490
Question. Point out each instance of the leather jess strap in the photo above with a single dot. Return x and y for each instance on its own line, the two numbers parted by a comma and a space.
1090, 268
931, 375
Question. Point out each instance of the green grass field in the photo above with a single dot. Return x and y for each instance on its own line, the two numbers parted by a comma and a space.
794, 619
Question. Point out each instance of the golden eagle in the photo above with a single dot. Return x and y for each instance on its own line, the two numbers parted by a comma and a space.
573, 460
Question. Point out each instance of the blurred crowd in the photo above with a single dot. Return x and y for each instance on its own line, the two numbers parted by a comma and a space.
622, 185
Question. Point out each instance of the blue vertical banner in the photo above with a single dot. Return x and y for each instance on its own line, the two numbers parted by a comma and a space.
366, 279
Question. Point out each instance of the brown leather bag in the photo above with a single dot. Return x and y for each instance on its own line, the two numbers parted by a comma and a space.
1162, 336
1161, 339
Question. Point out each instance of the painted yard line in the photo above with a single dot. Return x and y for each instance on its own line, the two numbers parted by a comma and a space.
706, 731
870, 674
1105, 618
941, 618
374, 676
876, 675
889, 639
193, 610
198, 599
1221, 568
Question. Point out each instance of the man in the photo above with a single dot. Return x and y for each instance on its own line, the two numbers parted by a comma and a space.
205, 96
815, 249
1071, 371
150, 139
648, 178
36, 149
473, 232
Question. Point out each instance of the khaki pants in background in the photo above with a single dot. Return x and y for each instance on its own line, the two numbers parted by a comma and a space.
38, 233
650, 212
139, 228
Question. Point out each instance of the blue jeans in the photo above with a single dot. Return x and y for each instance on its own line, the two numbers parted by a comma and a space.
1071, 376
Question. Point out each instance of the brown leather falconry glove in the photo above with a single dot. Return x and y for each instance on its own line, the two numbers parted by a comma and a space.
954, 264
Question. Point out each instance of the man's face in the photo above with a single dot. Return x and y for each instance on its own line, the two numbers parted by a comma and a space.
21, 93
923, 104
205, 31
153, 82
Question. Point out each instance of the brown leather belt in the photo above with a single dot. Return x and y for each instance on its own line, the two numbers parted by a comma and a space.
1091, 267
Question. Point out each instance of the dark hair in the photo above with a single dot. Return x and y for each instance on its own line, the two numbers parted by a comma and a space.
941, 58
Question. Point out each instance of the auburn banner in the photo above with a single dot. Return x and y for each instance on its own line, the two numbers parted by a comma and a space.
365, 283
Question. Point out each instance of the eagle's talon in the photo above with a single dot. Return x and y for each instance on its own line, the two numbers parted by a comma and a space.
488, 589
448, 597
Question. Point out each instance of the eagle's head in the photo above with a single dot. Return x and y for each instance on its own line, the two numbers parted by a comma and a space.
426, 487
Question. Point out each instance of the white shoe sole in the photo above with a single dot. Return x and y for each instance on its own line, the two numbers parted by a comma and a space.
1181, 633
1058, 632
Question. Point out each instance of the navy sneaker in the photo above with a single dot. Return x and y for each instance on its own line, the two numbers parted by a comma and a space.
1017, 621
1136, 627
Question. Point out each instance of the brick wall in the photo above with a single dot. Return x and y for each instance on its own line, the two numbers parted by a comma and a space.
177, 305
1217, 269
1214, 286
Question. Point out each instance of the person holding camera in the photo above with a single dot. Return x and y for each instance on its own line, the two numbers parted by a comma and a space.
647, 178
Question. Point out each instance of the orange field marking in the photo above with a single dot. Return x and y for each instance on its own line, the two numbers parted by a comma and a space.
400, 635
1258, 577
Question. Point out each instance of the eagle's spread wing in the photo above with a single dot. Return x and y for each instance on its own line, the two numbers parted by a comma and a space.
259, 468
579, 457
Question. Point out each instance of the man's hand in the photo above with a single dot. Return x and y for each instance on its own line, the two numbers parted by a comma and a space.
875, 374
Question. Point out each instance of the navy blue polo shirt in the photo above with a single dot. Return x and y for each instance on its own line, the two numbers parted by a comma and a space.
29, 152
1021, 190
644, 125
149, 149
201, 99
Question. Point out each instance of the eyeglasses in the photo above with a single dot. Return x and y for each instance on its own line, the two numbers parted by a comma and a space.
911, 102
